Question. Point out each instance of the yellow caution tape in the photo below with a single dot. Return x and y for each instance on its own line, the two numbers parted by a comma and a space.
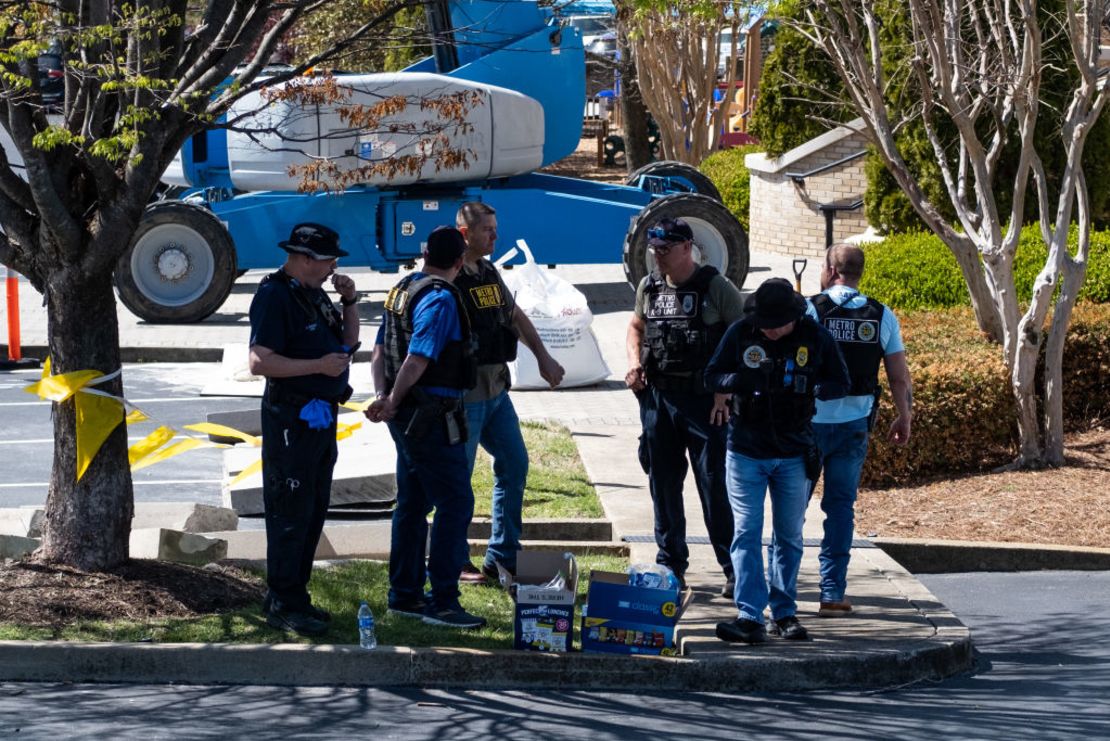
149, 444
210, 428
248, 471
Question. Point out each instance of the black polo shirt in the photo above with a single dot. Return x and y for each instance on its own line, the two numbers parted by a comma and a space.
296, 329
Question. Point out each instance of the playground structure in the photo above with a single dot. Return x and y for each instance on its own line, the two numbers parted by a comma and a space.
187, 253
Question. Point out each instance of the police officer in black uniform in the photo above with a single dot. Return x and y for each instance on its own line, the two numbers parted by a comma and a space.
774, 363
302, 344
681, 312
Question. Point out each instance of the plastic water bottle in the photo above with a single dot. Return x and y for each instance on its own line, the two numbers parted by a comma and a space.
366, 636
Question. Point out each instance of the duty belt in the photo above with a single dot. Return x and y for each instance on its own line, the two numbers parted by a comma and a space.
278, 394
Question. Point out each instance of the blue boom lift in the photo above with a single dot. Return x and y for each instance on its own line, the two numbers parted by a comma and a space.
187, 253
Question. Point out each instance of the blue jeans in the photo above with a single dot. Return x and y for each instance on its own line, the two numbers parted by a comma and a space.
748, 481
843, 448
494, 424
430, 474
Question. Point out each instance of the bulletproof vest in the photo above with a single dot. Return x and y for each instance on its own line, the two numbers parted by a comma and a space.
455, 368
676, 338
489, 313
775, 380
314, 302
856, 331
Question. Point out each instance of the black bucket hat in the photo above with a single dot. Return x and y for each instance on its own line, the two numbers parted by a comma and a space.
315, 240
775, 304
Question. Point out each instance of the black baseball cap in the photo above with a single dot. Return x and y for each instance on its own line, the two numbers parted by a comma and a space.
775, 304
315, 240
445, 246
669, 231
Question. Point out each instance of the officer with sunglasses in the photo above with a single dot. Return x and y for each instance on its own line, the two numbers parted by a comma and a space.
682, 310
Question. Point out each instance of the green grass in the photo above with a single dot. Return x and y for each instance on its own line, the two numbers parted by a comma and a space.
338, 589
557, 482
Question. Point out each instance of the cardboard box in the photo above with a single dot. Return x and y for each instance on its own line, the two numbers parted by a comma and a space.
630, 620
543, 619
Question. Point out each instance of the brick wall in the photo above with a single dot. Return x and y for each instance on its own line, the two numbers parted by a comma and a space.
785, 217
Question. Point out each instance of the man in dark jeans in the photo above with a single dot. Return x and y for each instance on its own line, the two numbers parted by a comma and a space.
423, 365
682, 310
302, 344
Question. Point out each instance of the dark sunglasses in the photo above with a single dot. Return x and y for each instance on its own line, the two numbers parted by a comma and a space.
658, 232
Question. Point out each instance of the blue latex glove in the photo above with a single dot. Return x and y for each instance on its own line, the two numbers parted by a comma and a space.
317, 413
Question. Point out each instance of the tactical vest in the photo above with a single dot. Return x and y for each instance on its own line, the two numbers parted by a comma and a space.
775, 380
455, 368
677, 341
856, 331
490, 315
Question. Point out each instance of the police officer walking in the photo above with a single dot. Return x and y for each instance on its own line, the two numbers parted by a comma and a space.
681, 312
423, 365
302, 344
867, 333
496, 323
774, 363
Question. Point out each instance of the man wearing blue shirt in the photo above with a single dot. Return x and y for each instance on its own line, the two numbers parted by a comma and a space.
867, 332
423, 365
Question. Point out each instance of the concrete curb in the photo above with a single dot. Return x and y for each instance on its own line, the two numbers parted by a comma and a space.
311, 665
156, 354
922, 556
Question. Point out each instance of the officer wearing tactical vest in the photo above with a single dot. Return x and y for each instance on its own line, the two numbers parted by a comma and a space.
774, 363
303, 346
497, 323
423, 364
867, 333
681, 312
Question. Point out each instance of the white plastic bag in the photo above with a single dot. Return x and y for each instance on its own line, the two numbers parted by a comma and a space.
562, 318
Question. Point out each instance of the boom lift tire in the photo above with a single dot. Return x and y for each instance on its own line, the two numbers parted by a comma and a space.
179, 267
719, 240
690, 176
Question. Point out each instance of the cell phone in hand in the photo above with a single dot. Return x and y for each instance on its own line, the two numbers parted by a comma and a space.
353, 349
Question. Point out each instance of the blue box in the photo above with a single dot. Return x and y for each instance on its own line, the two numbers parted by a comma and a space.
619, 618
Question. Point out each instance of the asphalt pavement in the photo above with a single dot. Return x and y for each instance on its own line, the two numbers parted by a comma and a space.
1042, 672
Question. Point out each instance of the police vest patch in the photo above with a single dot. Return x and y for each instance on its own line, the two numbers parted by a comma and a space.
487, 296
802, 356
677, 305
852, 330
754, 355
396, 300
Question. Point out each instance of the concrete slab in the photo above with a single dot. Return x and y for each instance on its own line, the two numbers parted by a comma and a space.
22, 521
176, 546
247, 420
17, 546
188, 517
366, 540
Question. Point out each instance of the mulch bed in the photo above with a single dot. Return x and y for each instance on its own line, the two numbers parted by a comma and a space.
48, 595
1063, 506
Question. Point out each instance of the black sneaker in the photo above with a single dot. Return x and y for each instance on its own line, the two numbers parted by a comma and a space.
301, 623
317, 612
452, 617
788, 628
742, 631
729, 589
413, 608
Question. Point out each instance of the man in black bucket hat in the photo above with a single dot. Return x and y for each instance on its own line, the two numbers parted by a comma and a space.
774, 362
303, 345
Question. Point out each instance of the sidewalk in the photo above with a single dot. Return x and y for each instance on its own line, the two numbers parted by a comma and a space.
898, 632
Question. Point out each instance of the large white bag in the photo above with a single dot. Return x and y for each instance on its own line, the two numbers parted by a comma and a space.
562, 318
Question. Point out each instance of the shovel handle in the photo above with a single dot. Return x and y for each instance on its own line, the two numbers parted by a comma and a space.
799, 268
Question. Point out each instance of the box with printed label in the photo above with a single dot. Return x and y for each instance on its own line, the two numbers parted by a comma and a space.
543, 592
620, 618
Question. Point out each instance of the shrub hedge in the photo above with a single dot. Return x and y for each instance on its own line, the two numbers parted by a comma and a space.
964, 413
727, 171
917, 271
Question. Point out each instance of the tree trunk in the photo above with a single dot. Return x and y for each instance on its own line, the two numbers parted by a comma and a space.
1072, 277
87, 524
634, 114
1023, 383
